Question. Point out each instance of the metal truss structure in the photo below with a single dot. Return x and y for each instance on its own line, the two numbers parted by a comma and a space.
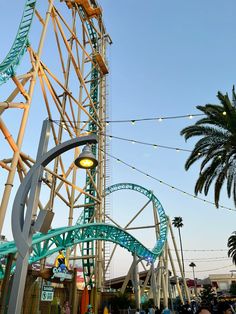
61, 74
64, 71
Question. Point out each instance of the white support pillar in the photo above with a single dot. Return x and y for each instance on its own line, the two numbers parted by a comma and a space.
135, 280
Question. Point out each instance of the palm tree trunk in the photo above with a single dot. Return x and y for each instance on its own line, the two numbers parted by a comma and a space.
181, 248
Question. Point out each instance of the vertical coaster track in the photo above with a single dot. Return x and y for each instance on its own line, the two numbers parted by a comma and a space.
88, 51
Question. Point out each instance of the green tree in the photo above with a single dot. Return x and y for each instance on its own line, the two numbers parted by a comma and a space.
177, 222
207, 295
216, 147
232, 247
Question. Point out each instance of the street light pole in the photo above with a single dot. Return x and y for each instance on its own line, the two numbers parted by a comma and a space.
195, 286
23, 226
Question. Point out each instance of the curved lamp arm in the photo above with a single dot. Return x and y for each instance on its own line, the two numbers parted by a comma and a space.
19, 230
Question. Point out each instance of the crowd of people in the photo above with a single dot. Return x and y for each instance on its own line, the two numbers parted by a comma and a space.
211, 308
194, 308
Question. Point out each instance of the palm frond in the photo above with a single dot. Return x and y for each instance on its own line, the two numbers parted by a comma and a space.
216, 146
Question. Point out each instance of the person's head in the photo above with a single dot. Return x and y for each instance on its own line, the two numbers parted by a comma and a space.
224, 308
203, 310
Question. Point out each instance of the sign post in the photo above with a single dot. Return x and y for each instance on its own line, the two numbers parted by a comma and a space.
47, 293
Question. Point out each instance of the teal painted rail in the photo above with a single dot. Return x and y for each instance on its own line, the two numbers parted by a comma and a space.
163, 219
65, 237
62, 238
9, 64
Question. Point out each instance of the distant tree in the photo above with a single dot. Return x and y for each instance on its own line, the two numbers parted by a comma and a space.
177, 222
232, 289
232, 247
207, 295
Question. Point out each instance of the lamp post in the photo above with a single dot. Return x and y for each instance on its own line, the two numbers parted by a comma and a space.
23, 226
195, 286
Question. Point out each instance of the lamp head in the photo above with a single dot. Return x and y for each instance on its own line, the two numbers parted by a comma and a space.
86, 159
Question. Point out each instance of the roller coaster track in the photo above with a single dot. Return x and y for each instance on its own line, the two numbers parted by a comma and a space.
88, 213
82, 232
9, 64
65, 237
56, 239
7, 70
163, 220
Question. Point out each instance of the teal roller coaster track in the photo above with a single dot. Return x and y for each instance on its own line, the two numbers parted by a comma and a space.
83, 232
67, 237
9, 64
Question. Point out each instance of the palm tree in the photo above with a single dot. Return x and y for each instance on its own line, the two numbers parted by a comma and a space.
232, 247
192, 264
217, 147
177, 222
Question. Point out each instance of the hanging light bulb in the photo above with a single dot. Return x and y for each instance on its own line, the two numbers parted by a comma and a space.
86, 159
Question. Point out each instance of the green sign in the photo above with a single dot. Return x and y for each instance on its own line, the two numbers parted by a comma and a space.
47, 293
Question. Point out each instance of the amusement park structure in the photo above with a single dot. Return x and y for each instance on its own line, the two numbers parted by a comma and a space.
62, 75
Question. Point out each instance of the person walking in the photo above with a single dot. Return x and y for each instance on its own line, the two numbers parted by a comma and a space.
66, 308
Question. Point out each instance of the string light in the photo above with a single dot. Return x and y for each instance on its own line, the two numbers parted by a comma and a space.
210, 260
152, 177
207, 270
167, 184
203, 250
160, 119
219, 258
178, 149
133, 121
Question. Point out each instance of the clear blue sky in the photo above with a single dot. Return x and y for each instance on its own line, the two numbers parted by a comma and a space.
166, 58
